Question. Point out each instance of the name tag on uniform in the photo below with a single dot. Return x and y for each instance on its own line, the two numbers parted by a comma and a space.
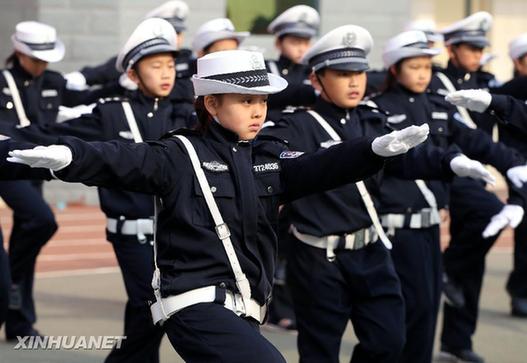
307, 82
442, 91
6, 91
290, 154
215, 166
395, 119
49, 93
266, 167
440, 115
329, 143
126, 135
181, 67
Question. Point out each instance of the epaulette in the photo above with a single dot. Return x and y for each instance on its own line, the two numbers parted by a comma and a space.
181, 131
112, 99
372, 106
267, 137
293, 109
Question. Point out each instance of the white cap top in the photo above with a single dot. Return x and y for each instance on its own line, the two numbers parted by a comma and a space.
301, 20
235, 71
343, 48
214, 30
152, 36
409, 44
518, 46
428, 26
174, 11
38, 40
472, 30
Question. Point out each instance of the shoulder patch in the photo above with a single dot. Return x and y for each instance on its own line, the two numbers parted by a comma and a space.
112, 99
396, 119
291, 154
182, 131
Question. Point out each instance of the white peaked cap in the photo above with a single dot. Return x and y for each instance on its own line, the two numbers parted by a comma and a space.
152, 36
214, 30
409, 44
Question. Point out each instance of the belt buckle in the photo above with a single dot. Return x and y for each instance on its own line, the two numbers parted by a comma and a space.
426, 218
239, 306
360, 239
222, 230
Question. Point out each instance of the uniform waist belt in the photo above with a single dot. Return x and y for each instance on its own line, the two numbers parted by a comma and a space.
209, 294
351, 241
130, 227
425, 218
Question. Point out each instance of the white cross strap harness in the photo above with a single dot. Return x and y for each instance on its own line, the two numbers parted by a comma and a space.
241, 304
365, 195
462, 110
19, 107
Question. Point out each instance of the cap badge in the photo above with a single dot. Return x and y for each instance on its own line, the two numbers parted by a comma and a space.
349, 39
255, 62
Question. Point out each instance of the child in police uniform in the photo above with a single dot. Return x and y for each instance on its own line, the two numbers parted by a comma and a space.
219, 189
340, 268
409, 209
148, 58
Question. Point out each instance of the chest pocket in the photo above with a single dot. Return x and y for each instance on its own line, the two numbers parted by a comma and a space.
269, 188
222, 188
439, 124
49, 100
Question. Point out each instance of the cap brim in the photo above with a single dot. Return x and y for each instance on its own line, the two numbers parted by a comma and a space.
203, 86
408, 52
478, 42
51, 56
158, 49
300, 32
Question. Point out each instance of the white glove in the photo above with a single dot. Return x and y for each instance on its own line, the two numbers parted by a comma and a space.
70, 113
517, 175
75, 81
511, 215
463, 166
127, 83
54, 157
400, 141
472, 99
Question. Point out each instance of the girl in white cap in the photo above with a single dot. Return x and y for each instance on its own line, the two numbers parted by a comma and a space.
410, 208
218, 191
148, 58
31, 94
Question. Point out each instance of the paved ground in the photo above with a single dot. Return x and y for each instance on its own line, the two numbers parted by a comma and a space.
79, 291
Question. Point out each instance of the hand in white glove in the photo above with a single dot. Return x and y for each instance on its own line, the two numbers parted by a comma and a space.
75, 81
511, 215
70, 113
400, 141
472, 99
54, 157
127, 83
463, 166
517, 175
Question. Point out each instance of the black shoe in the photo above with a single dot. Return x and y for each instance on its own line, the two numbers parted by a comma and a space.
13, 336
459, 356
519, 307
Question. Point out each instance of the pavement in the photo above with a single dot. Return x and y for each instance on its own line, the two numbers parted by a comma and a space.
79, 292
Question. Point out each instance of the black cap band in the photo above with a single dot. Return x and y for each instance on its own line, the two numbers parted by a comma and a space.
254, 78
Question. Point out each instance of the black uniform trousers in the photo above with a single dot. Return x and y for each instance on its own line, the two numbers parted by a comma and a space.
33, 225
517, 282
5, 281
209, 332
471, 208
281, 306
359, 285
416, 256
143, 338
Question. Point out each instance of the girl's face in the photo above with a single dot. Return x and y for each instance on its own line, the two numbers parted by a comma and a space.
414, 73
31, 65
293, 47
465, 56
155, 75
345, 89
239, 113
